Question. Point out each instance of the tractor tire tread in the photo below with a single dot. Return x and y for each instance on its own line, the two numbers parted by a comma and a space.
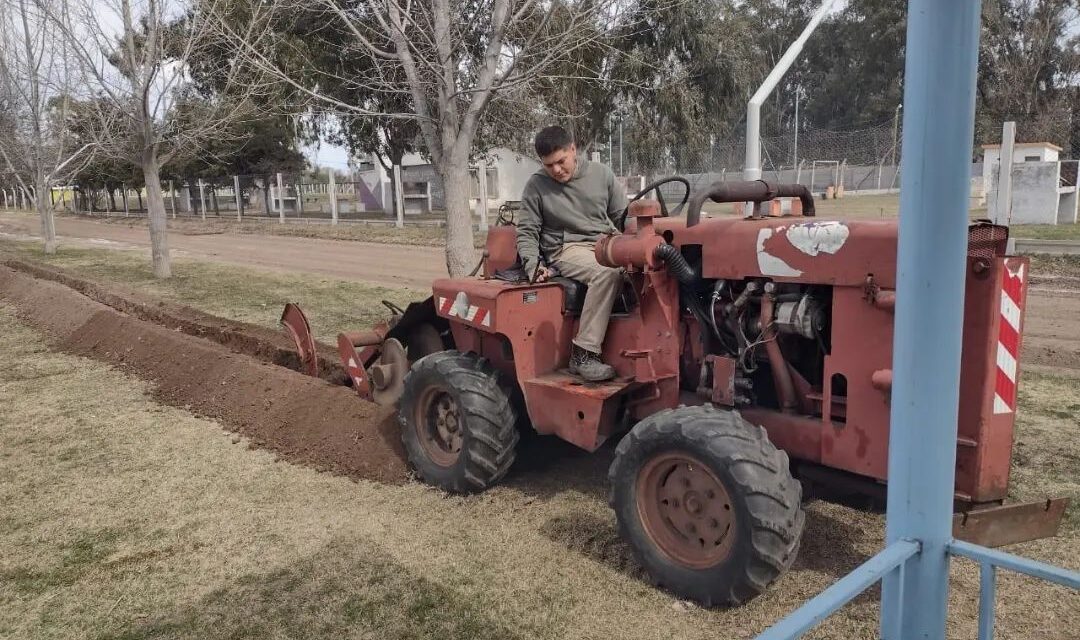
484, 398
757, 472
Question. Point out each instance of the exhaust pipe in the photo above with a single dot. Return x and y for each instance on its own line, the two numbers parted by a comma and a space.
751, 191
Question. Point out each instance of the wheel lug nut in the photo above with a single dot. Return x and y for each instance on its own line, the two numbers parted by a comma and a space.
710, 494
714, 523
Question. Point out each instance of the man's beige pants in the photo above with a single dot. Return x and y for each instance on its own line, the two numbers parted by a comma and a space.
576, 261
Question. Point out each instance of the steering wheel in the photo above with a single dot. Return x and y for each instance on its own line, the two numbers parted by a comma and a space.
655, 186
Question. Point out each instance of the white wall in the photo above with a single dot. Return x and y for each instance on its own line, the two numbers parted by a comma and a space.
1035, 193
514, 170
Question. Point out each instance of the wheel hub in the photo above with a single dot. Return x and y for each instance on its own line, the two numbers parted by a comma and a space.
439, 427
685, 509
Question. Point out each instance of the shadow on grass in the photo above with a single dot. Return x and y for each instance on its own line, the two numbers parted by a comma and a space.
826, 543
547, 466
350, 588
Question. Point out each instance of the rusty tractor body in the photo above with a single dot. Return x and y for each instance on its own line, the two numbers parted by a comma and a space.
747, 350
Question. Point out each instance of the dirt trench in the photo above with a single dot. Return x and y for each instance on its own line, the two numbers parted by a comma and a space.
304, 420
259, 342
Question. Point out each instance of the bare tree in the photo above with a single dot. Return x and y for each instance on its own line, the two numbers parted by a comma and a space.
36, 81
450, 58
136, 57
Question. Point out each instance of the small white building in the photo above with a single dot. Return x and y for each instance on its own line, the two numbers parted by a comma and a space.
1044, 187
506, 174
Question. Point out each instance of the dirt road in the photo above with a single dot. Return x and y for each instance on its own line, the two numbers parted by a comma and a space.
384, 264
1051, 334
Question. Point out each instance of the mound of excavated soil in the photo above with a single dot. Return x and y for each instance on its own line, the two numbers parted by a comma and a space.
256, 341
306, 420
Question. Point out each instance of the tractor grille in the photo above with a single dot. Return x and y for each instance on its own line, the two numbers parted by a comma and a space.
986, 240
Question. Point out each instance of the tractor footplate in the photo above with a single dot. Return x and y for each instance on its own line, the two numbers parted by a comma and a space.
579, 412
1010, 524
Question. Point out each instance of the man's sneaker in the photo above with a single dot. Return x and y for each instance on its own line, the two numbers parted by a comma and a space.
588, 366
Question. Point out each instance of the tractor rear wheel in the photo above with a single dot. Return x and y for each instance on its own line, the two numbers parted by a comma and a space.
707, 503
458, 423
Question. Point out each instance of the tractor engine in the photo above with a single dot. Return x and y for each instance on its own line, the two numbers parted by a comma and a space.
747, 323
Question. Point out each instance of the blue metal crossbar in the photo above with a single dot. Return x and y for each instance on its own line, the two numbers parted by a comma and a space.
806, 617
989, 560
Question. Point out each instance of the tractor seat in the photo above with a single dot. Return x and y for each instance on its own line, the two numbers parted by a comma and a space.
573, 294
574, 297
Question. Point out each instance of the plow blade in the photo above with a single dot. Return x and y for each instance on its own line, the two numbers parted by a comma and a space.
296, 323
1010, 524
377, 359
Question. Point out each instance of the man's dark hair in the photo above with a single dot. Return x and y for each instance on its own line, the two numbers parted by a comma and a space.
551, 139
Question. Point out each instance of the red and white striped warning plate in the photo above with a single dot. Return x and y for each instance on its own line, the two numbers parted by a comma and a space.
459, 307
1008, 350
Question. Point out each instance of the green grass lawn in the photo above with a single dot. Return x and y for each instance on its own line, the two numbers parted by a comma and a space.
1046, 231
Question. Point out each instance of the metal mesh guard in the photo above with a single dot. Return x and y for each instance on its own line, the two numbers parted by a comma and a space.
986, 240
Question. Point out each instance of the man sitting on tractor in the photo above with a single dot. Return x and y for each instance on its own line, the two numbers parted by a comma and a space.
566, 207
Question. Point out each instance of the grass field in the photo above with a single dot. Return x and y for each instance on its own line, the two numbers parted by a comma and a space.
428, 236
1047, 231
126, 519
230, 292
860, 207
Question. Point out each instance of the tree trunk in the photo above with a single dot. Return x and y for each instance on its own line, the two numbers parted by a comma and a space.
213, 199
159, 241
45, 212
112, 197
460, 252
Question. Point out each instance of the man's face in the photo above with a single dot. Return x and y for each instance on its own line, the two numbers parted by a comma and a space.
561, 164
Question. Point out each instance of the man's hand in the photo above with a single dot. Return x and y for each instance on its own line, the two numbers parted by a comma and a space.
542, 274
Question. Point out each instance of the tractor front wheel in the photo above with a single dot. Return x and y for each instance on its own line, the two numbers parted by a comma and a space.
458, 423
707, 503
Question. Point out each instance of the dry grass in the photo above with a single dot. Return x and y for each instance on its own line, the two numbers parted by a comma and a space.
126, 519
237, 293
1058, 266
428, 236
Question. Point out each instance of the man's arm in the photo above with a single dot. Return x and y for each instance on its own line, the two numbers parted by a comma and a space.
529, 221
617, 201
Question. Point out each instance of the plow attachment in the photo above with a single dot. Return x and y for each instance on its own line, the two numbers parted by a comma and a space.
376, 360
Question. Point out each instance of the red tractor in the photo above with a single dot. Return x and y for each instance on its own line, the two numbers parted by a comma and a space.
749, 351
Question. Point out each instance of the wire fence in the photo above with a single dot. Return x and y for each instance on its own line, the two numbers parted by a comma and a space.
856, 161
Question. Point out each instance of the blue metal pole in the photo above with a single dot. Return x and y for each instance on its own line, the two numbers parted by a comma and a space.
939, 117
987, 596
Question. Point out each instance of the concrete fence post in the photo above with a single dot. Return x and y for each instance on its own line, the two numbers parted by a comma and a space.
332, 188
1002, 213
399, 198
239, 198
280, 200
202, 199
4, 191
482, 203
